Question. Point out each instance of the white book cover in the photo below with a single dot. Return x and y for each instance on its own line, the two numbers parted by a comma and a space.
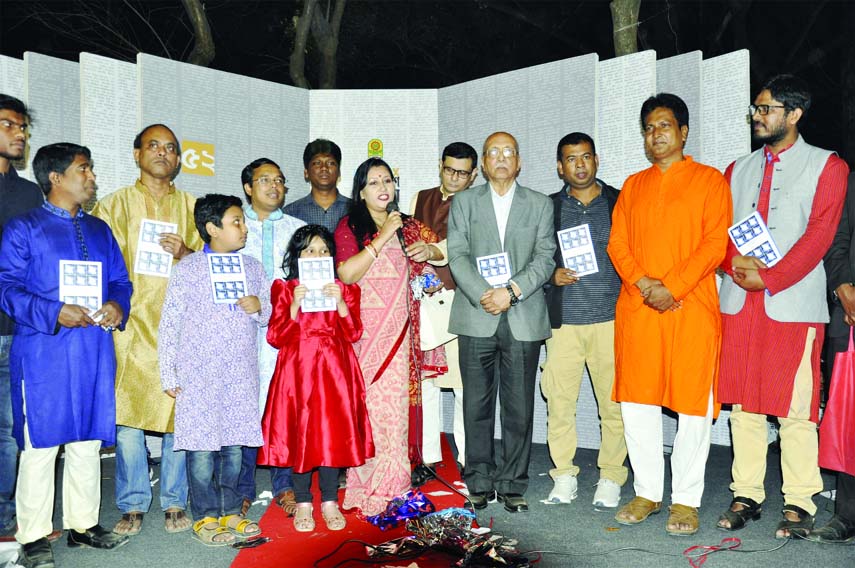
495, 268
80, 283
314, 274
751, 237
577, 250
151, 259
228, 279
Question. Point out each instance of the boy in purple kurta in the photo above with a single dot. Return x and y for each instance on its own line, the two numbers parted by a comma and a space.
62, 361
209, 363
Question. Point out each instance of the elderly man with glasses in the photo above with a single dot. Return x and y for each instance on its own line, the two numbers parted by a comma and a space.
500, 249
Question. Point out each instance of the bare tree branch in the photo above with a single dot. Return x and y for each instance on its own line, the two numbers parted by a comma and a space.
150, 27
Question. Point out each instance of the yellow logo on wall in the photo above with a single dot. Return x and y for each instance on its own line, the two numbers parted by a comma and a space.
197, 158
375, 148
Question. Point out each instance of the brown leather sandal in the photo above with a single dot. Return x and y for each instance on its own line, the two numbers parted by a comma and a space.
682, 515
130, 524
637, 511
176, 521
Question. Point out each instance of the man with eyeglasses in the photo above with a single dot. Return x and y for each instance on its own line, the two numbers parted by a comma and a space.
502, 322
324, 205
269, 231
141, 404
457, 171
17, 196
773, 316
582, 314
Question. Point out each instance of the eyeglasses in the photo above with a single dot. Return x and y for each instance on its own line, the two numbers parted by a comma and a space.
452, 173
762, 110
267, 182
10, 125
507, 152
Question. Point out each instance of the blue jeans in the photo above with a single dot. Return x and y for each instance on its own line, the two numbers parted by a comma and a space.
213, 482
133, 488
280, 476
8, 445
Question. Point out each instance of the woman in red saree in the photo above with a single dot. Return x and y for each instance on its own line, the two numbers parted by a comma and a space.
370, 254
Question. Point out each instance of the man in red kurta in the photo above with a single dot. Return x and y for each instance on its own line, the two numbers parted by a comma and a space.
773, 317
669, 233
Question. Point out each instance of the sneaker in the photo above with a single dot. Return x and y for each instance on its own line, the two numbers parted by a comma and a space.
607, 495
565, 489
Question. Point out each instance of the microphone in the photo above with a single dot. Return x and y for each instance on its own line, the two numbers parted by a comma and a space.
393, 206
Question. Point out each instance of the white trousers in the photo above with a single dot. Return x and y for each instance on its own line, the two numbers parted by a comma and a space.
643, 431
81, 488
432, 423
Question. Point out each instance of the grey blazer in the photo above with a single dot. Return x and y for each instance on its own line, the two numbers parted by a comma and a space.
530, 244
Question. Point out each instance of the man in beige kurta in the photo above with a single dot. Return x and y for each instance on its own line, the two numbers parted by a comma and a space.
141, 404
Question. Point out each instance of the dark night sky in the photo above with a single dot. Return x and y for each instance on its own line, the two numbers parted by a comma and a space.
424, 44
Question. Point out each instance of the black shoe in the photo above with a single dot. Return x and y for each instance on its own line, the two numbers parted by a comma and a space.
514, 502
479, 500
422, 474
95, 537
837, 531
36, 554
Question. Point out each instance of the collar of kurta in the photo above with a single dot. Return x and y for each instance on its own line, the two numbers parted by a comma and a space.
60, 212
208, 250
144, 188
251, 214
773, 157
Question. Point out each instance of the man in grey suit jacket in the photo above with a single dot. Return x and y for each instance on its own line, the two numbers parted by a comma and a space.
500, 327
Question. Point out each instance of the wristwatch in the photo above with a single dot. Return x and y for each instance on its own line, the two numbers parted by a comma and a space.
514, 299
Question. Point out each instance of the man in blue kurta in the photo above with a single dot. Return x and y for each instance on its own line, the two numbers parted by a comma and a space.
62, 360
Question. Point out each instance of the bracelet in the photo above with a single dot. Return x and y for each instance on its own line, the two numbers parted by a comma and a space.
371, 250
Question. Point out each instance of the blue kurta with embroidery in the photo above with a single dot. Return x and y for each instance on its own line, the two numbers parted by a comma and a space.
68, 373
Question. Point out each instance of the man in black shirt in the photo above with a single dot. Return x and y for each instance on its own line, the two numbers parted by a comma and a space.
17, 196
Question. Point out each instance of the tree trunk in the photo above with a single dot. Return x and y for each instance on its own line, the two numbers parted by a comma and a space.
298, 55
203, 48
625, 25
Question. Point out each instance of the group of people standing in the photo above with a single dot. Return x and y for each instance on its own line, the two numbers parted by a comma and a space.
263, 382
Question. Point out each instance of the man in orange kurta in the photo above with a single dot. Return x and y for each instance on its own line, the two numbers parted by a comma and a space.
669, 233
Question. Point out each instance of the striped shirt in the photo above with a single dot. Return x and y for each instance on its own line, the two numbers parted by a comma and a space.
307, 210
592, 299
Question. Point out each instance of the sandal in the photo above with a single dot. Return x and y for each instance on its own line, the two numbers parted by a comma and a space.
129, 525
750, 511
803, 525
176, 521
244, 507
682, 515
637, 511
239, 526
303, 520
288, 501
210, 533
332, 516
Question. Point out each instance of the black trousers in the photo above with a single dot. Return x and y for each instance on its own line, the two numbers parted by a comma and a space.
327, 479
845, 501
498, 365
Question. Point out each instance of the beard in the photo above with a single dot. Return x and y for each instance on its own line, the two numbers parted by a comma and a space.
772, 136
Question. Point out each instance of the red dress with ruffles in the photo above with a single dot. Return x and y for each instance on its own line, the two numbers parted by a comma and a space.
315, 413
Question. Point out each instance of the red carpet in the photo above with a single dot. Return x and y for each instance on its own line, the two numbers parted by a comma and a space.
300, 550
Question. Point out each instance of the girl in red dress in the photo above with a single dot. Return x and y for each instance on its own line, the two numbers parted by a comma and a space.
315, 416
